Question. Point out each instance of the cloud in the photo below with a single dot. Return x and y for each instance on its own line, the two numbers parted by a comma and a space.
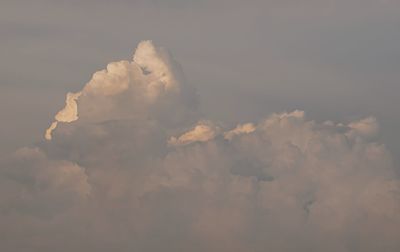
48, 132
367, 127
141, 170
202, 132
68, 114
240, 129
35, 185
151, 78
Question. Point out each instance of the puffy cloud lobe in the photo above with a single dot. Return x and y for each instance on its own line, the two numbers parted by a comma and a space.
52, 127
68, 114
126, 176
150, 75
156, 63
202, 132
240, 129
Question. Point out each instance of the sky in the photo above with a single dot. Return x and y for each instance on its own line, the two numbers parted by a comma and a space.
199, 125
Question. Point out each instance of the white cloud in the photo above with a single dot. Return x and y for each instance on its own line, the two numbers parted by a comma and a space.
68, 114
240, 129
48, 132
202, 132
129, 175
140, 84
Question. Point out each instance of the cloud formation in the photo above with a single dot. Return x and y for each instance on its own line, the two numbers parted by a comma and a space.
202, 132
139, 83
132, 166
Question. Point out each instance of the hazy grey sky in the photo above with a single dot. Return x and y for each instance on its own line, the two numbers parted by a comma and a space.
337, 60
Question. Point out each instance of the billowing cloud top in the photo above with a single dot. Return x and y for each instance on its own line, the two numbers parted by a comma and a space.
131, 166
149, 76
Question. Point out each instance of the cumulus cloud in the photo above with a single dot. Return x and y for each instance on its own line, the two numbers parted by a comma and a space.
367, 127
240, 129
152, 77
140, 170
68, 114
202, 132
33, 184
